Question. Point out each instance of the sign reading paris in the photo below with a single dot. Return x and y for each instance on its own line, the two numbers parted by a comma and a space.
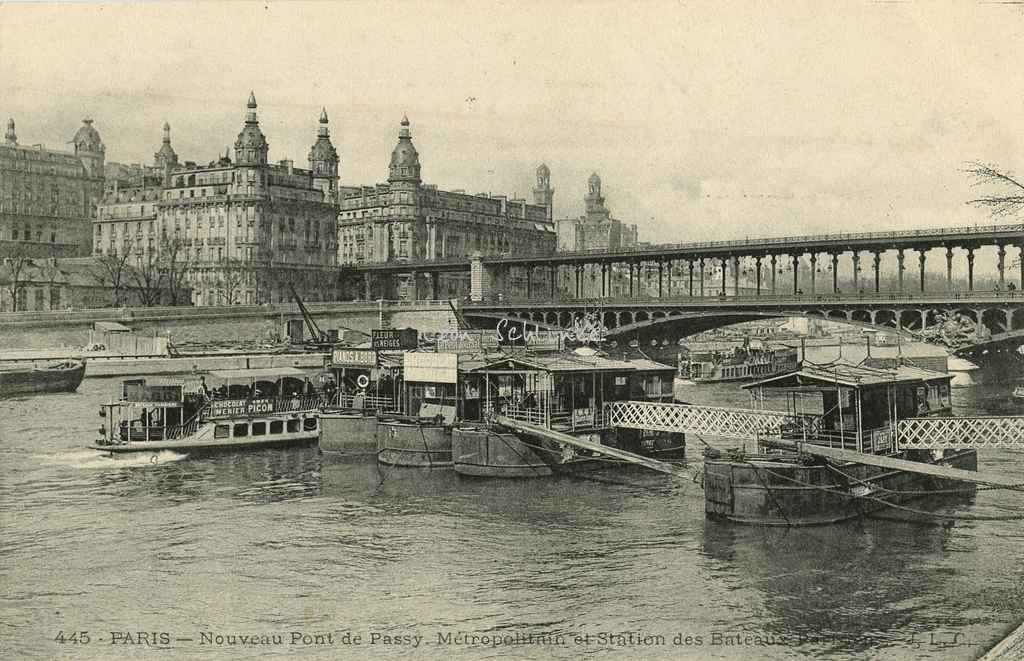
394, 339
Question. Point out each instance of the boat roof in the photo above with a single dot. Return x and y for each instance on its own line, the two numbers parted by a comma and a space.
566, 363
262, 373
846, 374
111, 327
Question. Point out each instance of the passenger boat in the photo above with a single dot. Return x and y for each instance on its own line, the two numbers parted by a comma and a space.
218, 410
64, 376
839, 406
565, 392
710, 362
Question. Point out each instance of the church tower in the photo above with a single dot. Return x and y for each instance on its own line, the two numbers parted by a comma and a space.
544, 194
251, 146
594, 200
323, 161
10, 137
89, 148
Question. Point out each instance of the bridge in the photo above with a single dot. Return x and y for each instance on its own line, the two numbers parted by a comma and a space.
681, 289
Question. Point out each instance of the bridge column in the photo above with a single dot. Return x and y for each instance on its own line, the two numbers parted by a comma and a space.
835, 273
604, 279
856, 271
1009, 318
757, 267
814, 270
877, 261
898, 316
723, 275
735, 275
689, 263
661, 266
630, 267
578, 270
702, 277
670, 268
796, 274
949, 269
924, 319
900, 267
970, 269
1001, 265
369, 286
921, 255
774, 273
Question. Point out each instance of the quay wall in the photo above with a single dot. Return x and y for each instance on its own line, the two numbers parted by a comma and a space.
255, 325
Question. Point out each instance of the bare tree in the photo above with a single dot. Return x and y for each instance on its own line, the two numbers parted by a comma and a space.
1009, 201
112, 271
174, 265
14, 272
148, 277
231, 276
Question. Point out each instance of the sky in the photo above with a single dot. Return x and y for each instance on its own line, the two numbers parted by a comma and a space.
705, 120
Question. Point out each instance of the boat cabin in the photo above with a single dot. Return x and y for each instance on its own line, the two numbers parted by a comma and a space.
567, 391
854, 407
365, 380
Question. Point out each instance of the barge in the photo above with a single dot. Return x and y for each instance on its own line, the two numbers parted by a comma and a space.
63, 376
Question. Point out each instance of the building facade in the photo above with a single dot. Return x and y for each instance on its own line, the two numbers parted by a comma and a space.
48, 198
405, 220
238, 231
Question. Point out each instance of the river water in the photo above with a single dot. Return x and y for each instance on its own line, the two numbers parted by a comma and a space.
179, 558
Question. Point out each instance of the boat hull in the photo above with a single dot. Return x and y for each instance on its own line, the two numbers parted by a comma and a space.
785, 493
31, 381
483, 452
414, 444
349, 433
226, 435
187, 446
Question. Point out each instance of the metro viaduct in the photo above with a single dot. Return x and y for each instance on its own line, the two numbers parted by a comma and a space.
770, 255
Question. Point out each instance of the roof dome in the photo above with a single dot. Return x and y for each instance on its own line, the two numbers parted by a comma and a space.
166, 155
251, 145
322, 149
543, 170
594, 180
88, 138
405, 160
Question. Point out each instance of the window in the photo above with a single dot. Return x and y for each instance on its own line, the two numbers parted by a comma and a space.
241, 429
293, 426
221, 431
277, 427
309, 424
259, 429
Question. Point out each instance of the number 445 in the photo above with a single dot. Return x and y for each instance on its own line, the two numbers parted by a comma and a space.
72, 638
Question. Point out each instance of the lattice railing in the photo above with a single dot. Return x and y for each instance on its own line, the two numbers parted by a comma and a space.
710, 420
952, 433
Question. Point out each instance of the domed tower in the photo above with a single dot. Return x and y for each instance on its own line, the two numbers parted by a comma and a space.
405, 161
251, 146
593, 199
166, 158
323, 161
10, 137
89, 148
544, 194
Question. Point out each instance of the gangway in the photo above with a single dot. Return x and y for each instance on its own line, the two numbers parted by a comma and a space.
559, 437
732, 423
977, 432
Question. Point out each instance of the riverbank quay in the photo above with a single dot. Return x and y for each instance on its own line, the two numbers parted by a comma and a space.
110, 366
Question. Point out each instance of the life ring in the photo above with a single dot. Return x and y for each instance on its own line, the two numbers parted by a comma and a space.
363, 381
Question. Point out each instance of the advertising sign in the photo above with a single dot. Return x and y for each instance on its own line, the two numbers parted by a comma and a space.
431, 367
231, 408
394, 339
354, 358
582, 417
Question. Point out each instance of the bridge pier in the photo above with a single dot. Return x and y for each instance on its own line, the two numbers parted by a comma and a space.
689, 263
835, 273
774, 273
796, 274
922, 252
900, 268
702, 277
856, 270
757, 268
949, 269
877, 261
723, 275
1001, 265
735, 275
970, 269
814, 270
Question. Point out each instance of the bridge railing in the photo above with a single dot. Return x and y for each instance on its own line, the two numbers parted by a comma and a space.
962, 432
716, 299
758, 242
734, 423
